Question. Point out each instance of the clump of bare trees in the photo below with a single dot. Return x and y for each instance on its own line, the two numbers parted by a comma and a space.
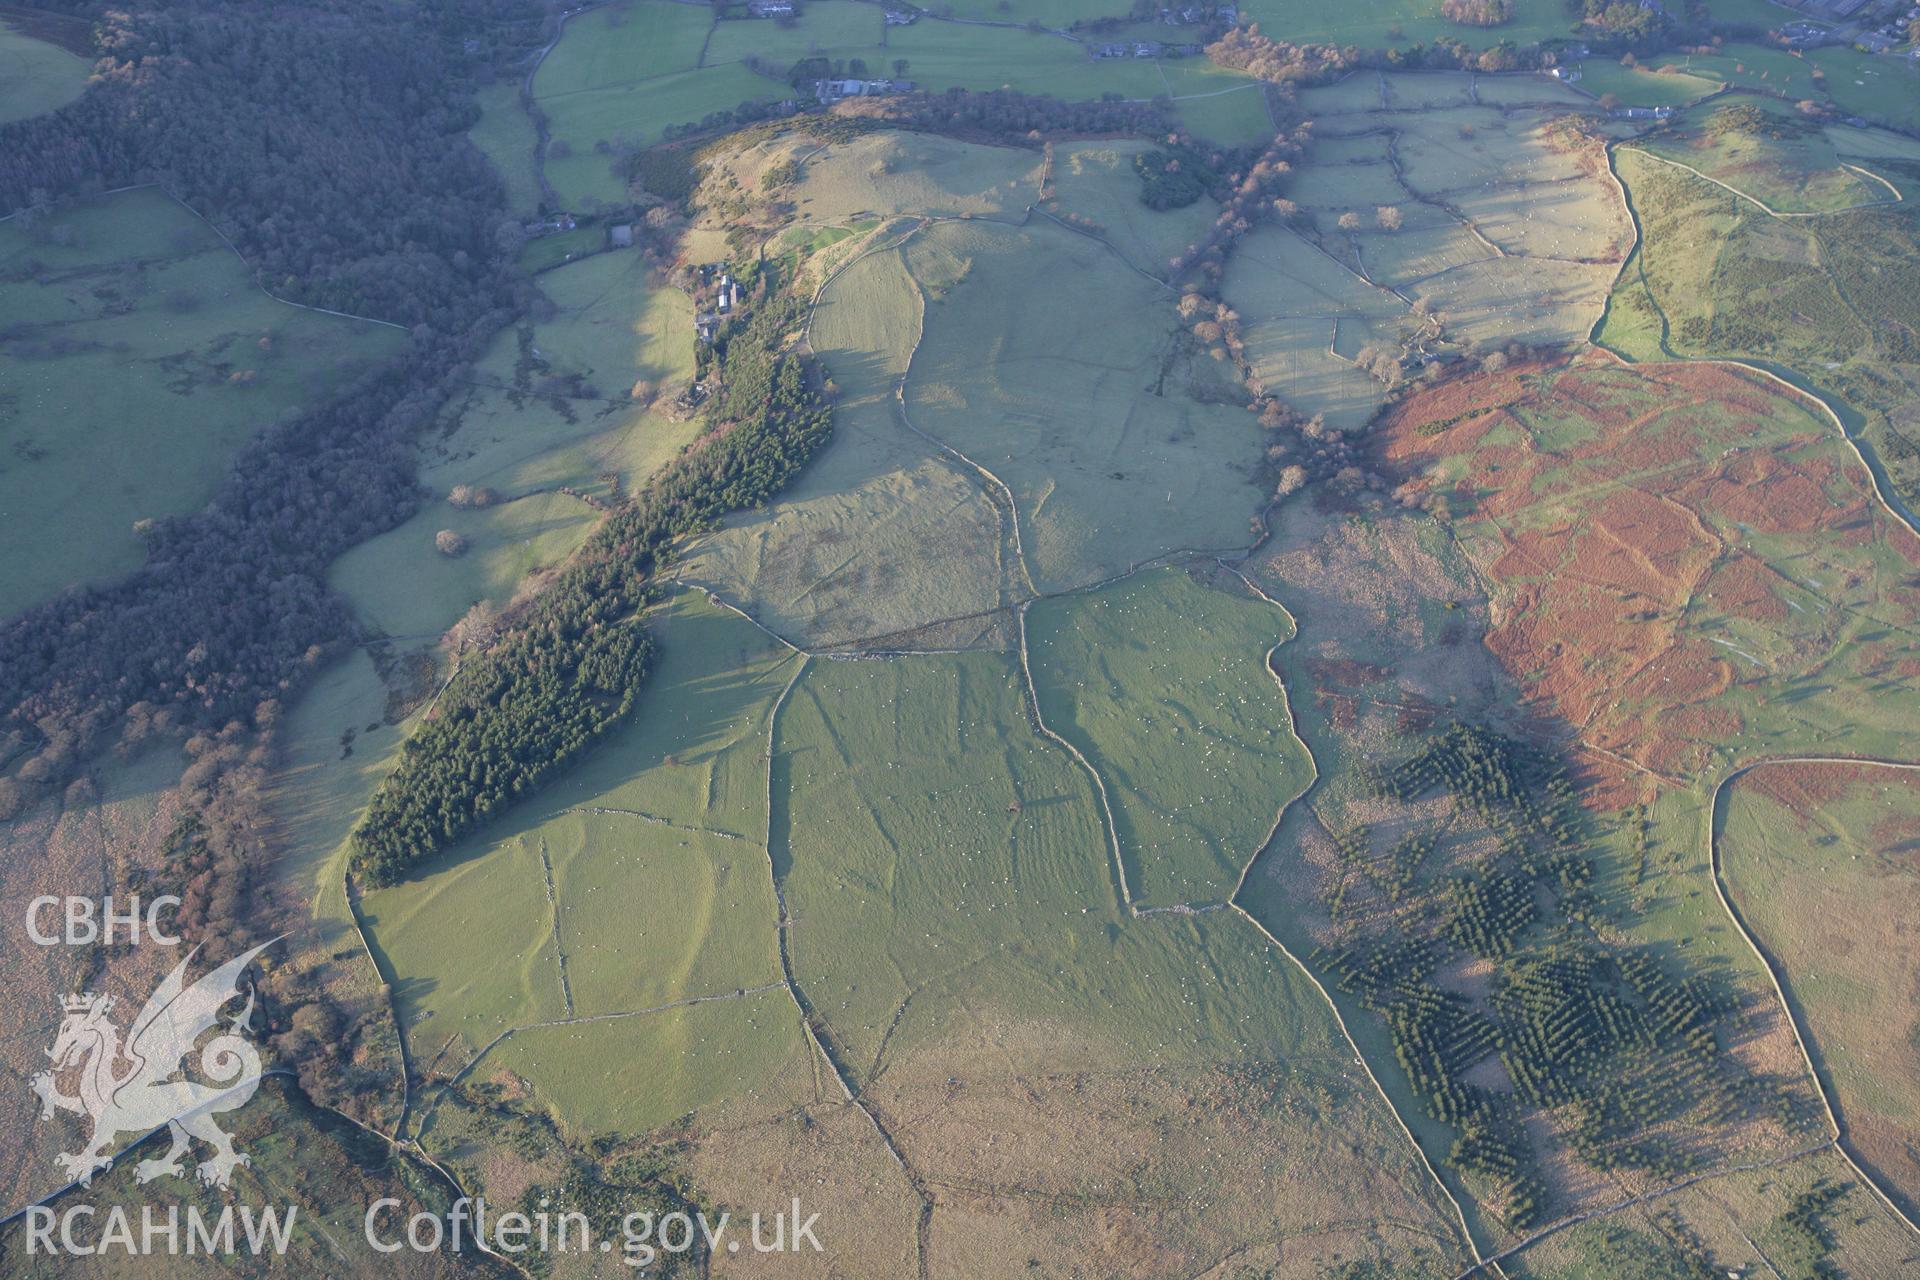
469, 497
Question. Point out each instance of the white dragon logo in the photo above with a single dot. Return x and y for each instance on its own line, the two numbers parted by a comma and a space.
125, 1087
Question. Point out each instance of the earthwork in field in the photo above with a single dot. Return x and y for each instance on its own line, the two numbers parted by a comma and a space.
1097, 810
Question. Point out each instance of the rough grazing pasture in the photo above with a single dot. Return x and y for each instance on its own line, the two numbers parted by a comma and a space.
1061, 372
1306, 315
117, 820
1760, 544
1827, 301
947, 497
957, 928
1504, 228
1808, 1216
1162, 683
1823, 862
886, 175
139, 356
1788, 163
1734, 554
316, 1164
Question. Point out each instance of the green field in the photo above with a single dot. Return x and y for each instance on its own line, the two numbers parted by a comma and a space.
1885, 90
550, 407
624, 73
141, 354
1820, 862
35, 76
1668, 84
1237, 117
1162, 684
960, 934
1402, 23
402, 586
1095, 188
506, 134
1052, 366
1676, 78
637, 881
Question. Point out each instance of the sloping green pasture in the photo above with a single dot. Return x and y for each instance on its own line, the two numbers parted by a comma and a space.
1830, 300
616, 903
139, 354
957, 928
551, 406
35, 76
1788, 163
1162, 683
1050, 364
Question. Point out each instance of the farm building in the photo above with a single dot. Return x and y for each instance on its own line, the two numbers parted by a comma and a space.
770, 8
835, 90
621, 236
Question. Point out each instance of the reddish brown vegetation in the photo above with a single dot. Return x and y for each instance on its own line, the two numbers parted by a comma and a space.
1609, 548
